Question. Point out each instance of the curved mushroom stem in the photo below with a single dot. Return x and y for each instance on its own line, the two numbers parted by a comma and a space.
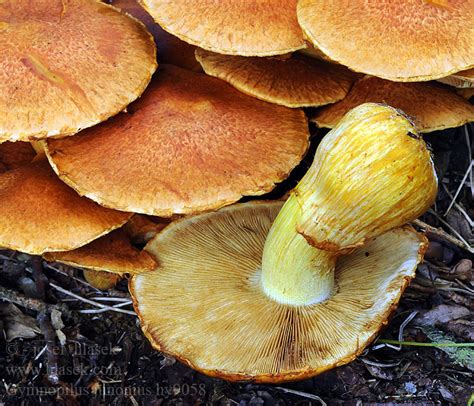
294, 272
370, 174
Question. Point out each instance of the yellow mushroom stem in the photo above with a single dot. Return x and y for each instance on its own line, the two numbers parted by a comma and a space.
371, 173
294, 272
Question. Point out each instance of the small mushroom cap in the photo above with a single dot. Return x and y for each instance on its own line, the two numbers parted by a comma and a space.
68, 65
237, 27
141, 228
100, 279
204, 304
191, 143
294, 82
432, 106
39, 213
170, 48
415, 39
111, 253
15, 154
463, 79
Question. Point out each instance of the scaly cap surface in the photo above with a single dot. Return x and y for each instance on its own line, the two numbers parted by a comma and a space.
39, 213
67, 65
294, 82
191, 143
237, 27
415, 39
432, 106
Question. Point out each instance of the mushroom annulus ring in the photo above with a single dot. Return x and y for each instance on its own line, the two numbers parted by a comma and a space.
279, 291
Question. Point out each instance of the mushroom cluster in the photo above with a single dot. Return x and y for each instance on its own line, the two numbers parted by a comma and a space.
103, 151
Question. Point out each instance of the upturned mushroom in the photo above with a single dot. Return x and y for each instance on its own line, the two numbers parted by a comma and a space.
68, 65
432, 106
191, 143
237, 27
406, 41
297, 81
240, 294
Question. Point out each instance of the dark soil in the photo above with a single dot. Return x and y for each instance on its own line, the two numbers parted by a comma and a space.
105, 359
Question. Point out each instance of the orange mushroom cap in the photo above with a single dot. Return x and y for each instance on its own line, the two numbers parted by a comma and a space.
67, 65
112, 253
39, 213
191, 143
432, 106
400, 40
298, 81
237, 27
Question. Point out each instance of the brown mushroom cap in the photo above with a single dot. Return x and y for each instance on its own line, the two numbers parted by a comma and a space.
39, 213
68, 65
237, 27
170, 48
294, 82
205, 306
409, 40
15, 154
191, 143
432, 106
110, 253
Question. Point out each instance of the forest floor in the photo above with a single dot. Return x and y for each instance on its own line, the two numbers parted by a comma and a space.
57, 349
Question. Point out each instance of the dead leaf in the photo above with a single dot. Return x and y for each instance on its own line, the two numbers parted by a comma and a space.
441, 314
17, 324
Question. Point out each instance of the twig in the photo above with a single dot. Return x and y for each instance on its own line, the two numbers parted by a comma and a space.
379, 364
7, 258
91, 302
38, 276
385, 343
404, 324
417, 344
302, 394
97, 311
459, 207
443, 234
110, 299
29, 303
463, 291
51, 349
49, 266
460, 283
459, 187
453, 230
469, 151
